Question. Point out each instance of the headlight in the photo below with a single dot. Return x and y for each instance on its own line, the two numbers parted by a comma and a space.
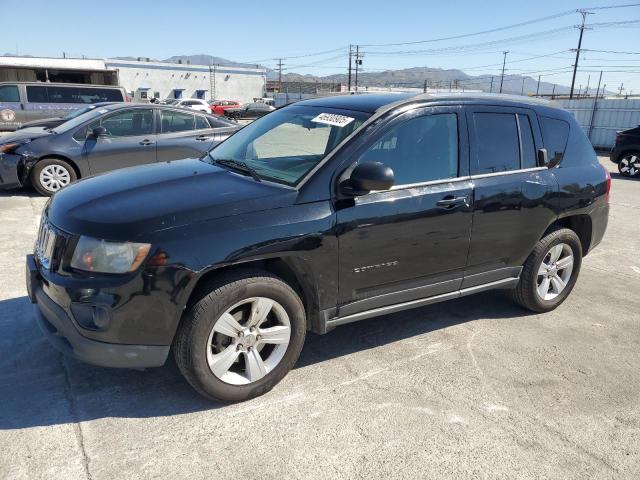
11, 147
95, 255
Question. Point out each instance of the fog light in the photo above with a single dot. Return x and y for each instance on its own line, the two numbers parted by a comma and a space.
92, 317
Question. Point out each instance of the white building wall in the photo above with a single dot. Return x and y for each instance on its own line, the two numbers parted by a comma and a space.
231, 83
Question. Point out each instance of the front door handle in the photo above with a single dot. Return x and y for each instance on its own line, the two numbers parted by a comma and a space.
202, 138
146, 143
450, 202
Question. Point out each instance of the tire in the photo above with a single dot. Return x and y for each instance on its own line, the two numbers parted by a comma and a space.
629, 164
534, 274
58, 171
200, 347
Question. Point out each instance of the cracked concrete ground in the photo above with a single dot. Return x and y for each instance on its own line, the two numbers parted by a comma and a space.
472, 388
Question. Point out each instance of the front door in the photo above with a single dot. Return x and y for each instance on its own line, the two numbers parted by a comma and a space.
130, 140
411, 241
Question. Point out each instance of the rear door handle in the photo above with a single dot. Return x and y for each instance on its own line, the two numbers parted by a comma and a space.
450, 202
146, 143
202, 138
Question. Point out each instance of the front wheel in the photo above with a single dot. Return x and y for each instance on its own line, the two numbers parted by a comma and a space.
550, 272
51, 174
629, 164
242, 337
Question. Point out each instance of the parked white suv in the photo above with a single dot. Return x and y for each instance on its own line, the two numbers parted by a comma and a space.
194, 103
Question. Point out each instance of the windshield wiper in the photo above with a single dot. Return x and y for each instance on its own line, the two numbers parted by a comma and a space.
239, 166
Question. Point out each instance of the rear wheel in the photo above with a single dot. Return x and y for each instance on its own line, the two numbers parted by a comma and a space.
629, 164
242, 337
550, 272
51, 174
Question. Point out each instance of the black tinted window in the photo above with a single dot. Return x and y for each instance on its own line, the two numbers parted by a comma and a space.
9, 93
419, 150
554, 135
128, 123
37, 94
175, 121
497, 147
526, 139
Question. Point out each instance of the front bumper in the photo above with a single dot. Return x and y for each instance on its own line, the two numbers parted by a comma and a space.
9, 177
613, 155
62, 333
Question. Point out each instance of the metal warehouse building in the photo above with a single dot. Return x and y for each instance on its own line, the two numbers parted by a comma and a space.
142, 79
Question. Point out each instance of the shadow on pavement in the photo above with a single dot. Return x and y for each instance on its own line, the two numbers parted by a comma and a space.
40, 387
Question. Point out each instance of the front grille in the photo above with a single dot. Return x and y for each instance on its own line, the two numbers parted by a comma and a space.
49, 245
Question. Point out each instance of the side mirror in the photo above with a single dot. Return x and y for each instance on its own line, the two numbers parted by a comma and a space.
369, 176
98, 132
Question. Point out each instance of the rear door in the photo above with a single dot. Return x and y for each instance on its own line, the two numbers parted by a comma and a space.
513, 195
130, 140
184, 135
411, 241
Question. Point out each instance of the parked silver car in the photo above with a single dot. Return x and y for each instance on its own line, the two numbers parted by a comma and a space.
22, 102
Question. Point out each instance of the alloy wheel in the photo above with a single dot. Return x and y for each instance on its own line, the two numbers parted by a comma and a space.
248, 340
629, 165
555, 271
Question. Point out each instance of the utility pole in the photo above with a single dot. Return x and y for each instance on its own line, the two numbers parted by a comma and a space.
553, 91
586, 92
358, 63
584, 14
279, 75
621, 88
538, 87
504, 61
349, 76
522, 89
424, 89
491, 86
593, 112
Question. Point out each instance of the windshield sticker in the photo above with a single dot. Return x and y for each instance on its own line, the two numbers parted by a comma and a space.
333, 119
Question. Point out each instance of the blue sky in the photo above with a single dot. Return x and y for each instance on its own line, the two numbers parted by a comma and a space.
254, 30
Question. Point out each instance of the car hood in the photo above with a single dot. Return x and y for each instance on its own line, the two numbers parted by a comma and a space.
45, 122
133, 202
30, 133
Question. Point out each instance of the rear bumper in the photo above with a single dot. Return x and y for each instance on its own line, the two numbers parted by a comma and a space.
61, 332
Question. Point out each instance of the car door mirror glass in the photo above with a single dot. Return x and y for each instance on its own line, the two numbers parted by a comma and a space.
368, 176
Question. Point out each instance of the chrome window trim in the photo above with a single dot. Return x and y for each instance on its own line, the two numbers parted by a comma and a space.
428, 183
508, 172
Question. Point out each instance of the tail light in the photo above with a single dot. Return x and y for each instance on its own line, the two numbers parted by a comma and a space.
608, 189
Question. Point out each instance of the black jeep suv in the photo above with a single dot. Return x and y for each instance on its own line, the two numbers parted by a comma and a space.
325, 212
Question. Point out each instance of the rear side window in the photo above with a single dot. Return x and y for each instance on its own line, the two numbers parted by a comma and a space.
497, 143
9, 93
37, 94
175, 121
201, 122
60, 94
419, 150
555, 134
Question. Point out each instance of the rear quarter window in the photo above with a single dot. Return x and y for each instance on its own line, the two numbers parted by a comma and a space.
555, 134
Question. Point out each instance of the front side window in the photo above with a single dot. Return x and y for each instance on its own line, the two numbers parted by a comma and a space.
497, 143
175, 121
286, 144
127, 124
419, 150
9, 93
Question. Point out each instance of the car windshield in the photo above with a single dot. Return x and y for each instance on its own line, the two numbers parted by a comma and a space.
79, 111
286, 144
79, 120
